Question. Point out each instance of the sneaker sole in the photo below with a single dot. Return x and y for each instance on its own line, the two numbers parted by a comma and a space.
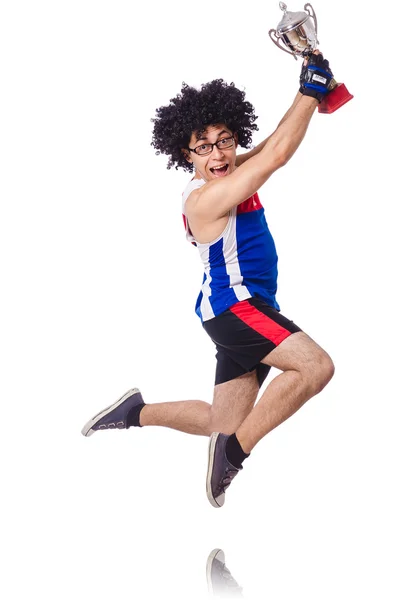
211, 453
87, 429
215, 554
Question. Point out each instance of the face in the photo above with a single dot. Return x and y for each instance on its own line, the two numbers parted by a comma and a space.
220, 162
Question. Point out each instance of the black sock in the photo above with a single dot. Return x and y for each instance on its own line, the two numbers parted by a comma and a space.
234, 452
133, 416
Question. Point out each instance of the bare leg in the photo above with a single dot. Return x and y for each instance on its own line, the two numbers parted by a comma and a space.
190, 416
306, 370
232, 403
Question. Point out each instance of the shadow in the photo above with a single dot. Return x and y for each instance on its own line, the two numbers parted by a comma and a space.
220, 581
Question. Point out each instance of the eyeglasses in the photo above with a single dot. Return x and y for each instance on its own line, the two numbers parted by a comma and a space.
222, 144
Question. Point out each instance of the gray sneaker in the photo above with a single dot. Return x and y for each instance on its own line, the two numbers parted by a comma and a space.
114, 416
220, 471
220, 581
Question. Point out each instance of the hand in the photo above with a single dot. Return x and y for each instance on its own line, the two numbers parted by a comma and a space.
316, 76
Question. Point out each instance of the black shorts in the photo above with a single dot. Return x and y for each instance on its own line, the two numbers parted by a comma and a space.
243, 335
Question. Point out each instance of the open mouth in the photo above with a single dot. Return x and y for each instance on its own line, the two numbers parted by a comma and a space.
220, 171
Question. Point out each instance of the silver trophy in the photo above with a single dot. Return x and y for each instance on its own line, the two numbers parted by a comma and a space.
296, 34
296, 31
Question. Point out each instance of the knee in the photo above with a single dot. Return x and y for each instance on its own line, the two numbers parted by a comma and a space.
327, 370
320, 372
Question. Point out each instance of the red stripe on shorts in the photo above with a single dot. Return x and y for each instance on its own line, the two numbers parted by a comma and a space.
261, 323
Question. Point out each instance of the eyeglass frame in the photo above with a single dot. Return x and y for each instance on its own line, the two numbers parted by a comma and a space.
231, 137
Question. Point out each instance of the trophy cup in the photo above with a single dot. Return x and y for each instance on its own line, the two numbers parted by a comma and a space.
298, 33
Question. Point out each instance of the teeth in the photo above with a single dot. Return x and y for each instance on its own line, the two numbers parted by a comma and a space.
221, 167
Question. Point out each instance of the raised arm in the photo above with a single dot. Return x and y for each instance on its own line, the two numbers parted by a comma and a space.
241, 158
217, 197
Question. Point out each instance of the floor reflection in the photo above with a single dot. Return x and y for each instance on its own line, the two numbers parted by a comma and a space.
220, 581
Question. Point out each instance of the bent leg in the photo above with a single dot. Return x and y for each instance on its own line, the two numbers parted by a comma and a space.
232, 402
189, 416
306, 367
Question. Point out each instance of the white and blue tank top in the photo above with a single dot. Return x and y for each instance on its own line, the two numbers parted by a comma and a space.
241, 263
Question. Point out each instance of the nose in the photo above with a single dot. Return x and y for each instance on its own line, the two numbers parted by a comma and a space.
216, 152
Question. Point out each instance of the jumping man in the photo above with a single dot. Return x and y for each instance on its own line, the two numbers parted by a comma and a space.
199, 131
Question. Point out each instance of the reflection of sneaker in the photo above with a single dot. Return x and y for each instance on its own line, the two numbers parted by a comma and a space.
219, 579
114, 416
220, 471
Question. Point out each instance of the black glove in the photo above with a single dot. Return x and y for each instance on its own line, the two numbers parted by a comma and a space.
316, 77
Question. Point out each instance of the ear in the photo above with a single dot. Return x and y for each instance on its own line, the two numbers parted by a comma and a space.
186, 155
235, 139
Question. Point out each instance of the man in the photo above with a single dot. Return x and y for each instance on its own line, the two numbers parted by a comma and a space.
199, 130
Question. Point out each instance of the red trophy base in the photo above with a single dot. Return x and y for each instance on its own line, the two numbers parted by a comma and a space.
335, 99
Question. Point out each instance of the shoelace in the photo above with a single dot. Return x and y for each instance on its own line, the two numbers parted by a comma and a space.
118, 425
227, 479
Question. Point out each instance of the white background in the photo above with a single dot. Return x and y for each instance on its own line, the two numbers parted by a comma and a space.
98, 287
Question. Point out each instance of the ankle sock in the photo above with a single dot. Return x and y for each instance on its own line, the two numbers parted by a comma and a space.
133, 416
234, 452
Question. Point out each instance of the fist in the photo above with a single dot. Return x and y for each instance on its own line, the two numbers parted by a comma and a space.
316, 76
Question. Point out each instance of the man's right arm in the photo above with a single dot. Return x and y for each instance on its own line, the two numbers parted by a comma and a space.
217, 197
241, 158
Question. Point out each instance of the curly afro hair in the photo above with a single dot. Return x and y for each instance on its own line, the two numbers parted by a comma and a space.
192, 111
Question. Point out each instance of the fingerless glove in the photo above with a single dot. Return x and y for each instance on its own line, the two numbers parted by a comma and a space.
316, 77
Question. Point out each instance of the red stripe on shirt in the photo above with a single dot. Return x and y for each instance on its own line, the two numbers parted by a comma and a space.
249, 205
187, 228
261, 323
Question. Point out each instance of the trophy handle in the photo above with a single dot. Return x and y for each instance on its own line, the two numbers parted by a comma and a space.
312, 15
273, 31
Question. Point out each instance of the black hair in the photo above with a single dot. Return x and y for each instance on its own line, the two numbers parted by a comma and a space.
193, 111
